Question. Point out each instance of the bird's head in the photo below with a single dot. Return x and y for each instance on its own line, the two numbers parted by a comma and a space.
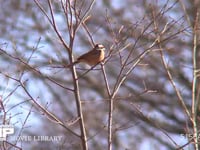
99, 47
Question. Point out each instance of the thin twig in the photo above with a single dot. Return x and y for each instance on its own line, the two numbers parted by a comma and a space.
195, 101
34, 69
74, 74
106, 80
50, 116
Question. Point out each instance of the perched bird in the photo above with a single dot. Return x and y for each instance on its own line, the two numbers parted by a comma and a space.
93, 57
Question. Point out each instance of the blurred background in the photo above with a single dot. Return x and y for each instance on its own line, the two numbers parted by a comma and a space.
147, 111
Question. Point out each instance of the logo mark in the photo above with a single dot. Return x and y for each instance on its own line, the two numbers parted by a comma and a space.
5, 130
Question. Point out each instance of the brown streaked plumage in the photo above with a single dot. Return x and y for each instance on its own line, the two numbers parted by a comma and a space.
93, 57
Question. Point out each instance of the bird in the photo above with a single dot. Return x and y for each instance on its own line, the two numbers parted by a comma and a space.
93, 57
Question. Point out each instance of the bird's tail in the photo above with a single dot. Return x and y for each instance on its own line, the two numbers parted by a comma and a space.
72, 64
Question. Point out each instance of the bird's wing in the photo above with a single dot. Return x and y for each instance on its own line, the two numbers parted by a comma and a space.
90, 54
95, 53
